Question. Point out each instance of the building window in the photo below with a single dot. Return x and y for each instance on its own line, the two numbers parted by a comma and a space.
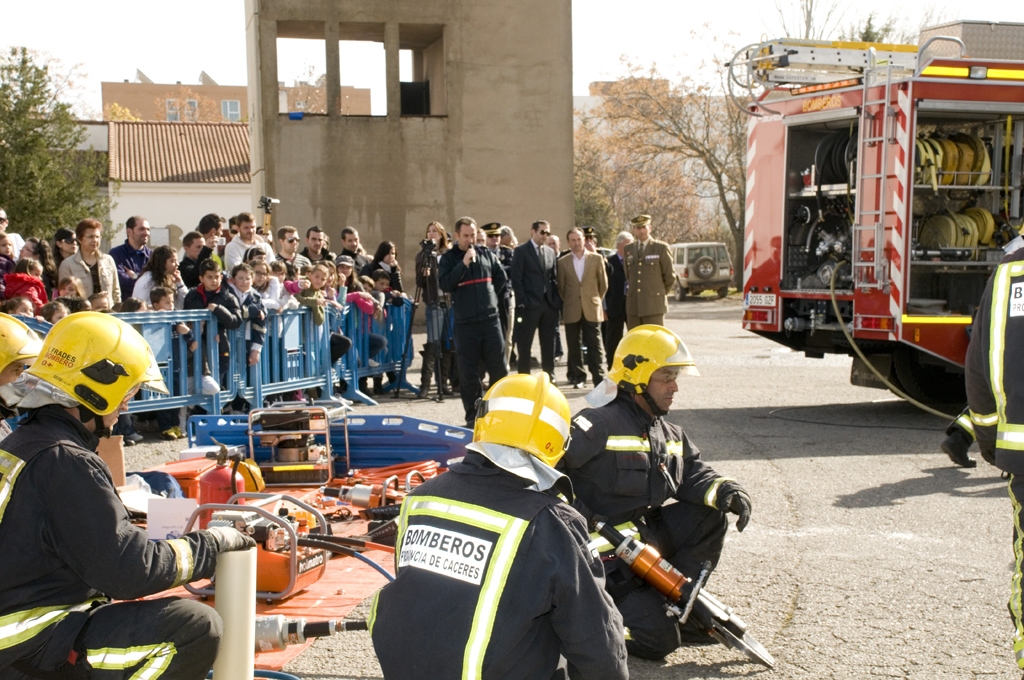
173, 115
191, 110
422, 69
363, 70
231, 110
302, 67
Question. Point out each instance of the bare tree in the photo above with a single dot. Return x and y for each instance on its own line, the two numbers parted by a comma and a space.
692, 126
809, 19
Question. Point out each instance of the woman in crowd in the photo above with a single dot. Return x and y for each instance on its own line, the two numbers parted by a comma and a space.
385, 258
64, 246
161, 272
36, 249
94, 269
437, 352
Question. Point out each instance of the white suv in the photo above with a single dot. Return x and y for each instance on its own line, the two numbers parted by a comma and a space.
701, 266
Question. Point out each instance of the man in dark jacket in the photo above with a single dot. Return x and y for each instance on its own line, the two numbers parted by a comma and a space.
536, 296
615, 298
473, 275
625, 461
79, 551
132, 255
494, 575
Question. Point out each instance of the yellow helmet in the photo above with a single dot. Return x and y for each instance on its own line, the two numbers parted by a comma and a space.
18, 342
644, 350
527, 412
97, 359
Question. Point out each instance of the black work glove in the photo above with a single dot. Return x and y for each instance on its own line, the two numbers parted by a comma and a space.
989, 455
228, 539
735, 499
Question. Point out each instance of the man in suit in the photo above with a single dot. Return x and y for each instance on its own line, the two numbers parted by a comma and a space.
536, 296
648, 264
582, 283
615, 298
504, 254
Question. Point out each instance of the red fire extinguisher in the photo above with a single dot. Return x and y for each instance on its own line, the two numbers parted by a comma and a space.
215, 484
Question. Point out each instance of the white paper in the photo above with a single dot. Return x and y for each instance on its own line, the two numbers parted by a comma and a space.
167, 517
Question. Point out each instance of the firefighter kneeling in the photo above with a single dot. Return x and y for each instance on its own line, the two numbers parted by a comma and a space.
67, 544
495, 578
625, 461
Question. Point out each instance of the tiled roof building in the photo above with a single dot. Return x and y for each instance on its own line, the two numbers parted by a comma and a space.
150, 151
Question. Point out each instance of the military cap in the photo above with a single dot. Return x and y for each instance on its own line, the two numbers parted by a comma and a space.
589, 232
491, 229
641, 221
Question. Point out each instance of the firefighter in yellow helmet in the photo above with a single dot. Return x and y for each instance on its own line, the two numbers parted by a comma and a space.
68, 545
19, 345
494, 577
626, 460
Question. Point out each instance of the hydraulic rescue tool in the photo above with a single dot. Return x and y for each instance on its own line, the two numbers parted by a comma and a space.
687, 599
274, 633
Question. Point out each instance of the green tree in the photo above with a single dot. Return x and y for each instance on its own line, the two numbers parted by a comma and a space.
46, 181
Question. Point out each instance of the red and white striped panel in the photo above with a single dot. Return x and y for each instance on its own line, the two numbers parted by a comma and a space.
898, 234
748, 232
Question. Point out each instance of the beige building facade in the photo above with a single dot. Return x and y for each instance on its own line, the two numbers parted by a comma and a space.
484, 128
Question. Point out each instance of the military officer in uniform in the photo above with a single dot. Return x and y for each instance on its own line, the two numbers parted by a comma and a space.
625, 461
649, 276
494, 575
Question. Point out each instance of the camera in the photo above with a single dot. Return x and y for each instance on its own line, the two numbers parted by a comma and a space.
427, 245
221, 241
266, 202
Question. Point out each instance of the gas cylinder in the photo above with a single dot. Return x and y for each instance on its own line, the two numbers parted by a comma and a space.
215, 486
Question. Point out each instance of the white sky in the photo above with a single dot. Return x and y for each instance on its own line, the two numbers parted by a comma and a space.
175, 41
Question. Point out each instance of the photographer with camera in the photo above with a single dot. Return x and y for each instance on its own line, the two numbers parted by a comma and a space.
437, 352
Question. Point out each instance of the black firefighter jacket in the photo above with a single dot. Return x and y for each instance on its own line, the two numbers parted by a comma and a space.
494, 581
66, 540
474, 289
622, 463
994, 372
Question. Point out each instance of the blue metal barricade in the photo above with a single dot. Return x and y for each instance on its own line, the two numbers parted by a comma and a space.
358, 363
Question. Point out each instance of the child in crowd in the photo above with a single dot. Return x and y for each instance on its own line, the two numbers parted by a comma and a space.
132, 304
254, 315
100, 302
7, 261
27, 281
74, 303
168, 421
210, 295
19, 306
267, 286
70, 286
53, 311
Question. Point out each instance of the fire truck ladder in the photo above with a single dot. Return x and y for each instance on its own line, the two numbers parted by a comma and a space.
877, 118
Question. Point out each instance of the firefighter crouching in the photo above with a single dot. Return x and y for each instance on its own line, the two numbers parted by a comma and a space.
67, 544
625, 461
995, 396
494, 576
19, 345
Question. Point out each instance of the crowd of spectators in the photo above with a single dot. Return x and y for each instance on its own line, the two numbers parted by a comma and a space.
232, 269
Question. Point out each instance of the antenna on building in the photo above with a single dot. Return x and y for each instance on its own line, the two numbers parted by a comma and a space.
205, 79
142, 77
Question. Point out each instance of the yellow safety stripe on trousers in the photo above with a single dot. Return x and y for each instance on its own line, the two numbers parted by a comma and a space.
1010, 437
1014, 604
628, 443
711, 497
184, 561
115, 659
983, 420
24, 625
10, 467
997, 327
964, 421
510, 531
600, 544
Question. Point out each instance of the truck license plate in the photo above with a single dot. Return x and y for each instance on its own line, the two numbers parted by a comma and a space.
760, 299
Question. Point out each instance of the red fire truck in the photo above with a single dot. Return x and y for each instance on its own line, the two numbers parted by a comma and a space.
881, 184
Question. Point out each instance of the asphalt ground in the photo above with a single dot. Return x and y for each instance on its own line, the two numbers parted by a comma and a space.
868, 554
